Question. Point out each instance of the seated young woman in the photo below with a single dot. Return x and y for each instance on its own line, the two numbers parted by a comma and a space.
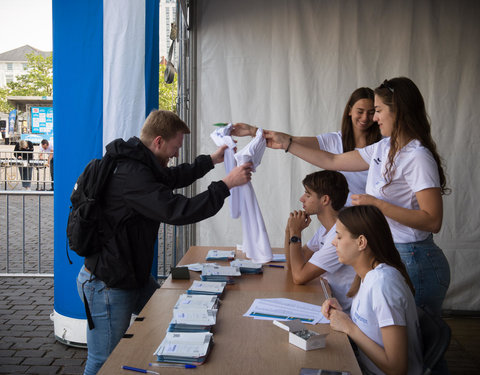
383, 319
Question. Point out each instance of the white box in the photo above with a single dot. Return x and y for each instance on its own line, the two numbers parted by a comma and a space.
300, 336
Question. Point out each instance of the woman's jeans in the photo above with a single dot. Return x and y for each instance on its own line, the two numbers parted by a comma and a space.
111, 311
429, 271
26, 176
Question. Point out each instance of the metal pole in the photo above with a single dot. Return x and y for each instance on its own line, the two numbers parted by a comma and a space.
39, 234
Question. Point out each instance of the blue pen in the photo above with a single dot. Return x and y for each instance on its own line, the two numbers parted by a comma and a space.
276, 266
140, 370
179, 365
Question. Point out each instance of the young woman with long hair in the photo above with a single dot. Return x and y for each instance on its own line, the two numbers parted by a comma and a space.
383, 319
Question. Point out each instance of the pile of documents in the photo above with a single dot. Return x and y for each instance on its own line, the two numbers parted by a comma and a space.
185, 347
192, 320
194, 313
220, 255
220, 273
207, 287
247, 266
285, 309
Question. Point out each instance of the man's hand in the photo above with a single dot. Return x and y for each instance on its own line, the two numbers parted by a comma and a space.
217, 156
239, 175
276, 140
241, 130
298, 221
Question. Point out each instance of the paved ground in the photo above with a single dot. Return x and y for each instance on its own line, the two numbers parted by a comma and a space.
27, 343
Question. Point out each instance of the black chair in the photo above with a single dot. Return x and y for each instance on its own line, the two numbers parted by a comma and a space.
436, 336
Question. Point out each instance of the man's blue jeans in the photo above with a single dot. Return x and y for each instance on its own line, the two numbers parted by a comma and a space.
111, 311
429, 271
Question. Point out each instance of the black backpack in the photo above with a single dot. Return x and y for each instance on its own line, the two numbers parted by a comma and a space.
87, 230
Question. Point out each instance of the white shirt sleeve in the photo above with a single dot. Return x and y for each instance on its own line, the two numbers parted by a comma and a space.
367, 152
422, 171
331, 142
326, 257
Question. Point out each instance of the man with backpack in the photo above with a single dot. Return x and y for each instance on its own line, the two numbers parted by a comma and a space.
116, 281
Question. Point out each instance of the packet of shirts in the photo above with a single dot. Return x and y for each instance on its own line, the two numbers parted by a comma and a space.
220, 255
220, 273
194, 301
207, 287
185, 347
192, 320
247, 266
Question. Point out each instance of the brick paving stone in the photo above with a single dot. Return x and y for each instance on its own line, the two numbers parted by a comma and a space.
44, 361
15, 340
22, 328
69, 362
72, 370
19, 321
10, 360
25, 345
13, 369
5, 345
6, 353
40, 370
30, 353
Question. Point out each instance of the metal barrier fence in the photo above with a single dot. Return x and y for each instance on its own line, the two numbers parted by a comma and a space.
26, 236
20, 169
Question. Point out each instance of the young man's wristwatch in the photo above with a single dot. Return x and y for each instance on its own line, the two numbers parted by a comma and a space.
295, 239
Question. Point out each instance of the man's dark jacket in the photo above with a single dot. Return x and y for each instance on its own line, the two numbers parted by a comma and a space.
140, 196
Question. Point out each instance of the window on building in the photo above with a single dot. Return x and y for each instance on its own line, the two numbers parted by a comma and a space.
25, 66
8, 78
9, 66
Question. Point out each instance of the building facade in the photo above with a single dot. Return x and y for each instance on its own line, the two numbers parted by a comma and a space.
13, 63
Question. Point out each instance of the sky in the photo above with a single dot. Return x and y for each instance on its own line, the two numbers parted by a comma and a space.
25, 22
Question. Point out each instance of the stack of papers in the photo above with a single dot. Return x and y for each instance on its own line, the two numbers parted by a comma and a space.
220, 273
192, 301
247, 266
196, 267
220, 255
192, 320
185, 347
207, 287
286, 309
278, 258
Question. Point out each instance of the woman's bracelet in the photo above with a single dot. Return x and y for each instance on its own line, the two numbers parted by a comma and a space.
289, 144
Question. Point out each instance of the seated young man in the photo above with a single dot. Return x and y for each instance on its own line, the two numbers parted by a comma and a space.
325, 194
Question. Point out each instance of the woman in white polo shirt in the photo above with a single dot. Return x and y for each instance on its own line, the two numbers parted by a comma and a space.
405, 181
383, 320
357, 130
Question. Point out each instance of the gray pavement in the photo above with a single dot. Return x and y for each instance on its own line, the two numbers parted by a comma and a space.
27, 342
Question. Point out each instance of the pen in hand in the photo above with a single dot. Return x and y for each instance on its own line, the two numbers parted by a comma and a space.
276, 266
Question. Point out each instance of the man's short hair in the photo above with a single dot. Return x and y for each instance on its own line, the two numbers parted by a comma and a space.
44, 142
331, 183
162, 123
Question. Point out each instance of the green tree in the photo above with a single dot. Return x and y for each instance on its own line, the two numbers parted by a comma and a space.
36, 82
167, 93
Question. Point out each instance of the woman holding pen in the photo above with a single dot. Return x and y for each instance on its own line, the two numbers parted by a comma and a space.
383, 320
405, 181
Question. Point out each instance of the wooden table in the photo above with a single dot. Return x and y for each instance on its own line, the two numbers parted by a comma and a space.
242, 345
272, 278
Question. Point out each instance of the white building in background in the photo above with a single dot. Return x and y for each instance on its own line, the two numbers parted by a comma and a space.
13, 63
168, 15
